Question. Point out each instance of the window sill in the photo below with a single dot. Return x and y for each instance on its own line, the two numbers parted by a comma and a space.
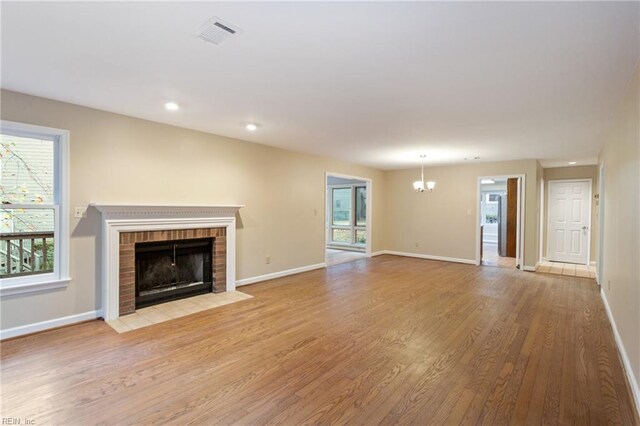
33, 287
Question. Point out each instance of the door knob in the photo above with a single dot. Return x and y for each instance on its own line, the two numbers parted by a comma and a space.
585, 227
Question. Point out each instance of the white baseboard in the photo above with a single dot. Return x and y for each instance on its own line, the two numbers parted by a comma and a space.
529, 268
46, 325
378, 253
280, 274
633, 382
430, 257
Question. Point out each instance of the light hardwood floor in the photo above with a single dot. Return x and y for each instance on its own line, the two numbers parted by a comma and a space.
387, 340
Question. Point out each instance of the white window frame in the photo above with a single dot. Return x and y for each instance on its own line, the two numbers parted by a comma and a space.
59, 278
352, 218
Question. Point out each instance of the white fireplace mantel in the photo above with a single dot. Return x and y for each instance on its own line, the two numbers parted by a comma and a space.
121, 217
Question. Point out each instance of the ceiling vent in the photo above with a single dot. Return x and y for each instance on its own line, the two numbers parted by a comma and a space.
216, 31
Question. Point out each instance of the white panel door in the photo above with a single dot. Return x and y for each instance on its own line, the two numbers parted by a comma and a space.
569, 219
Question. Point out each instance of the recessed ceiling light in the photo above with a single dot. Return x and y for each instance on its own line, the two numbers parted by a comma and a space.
251, 127
171, 106
572, 163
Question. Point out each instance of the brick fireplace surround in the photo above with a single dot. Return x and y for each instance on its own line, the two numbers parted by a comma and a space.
124, 225
128, 240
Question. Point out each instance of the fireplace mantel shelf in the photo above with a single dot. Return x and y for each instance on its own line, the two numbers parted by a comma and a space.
165, 210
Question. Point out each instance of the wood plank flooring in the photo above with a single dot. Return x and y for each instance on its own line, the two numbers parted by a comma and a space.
390, 340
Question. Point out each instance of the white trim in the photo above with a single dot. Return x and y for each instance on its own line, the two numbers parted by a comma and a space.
520, 214
529, 268
522, 188
61, 140
280, 274
378, 253
34, 287
601, 213
588, 262
369, 227
118, 218
431, 257
541, 213
127, 210
635, 389
592, 263
46, 325
32, 206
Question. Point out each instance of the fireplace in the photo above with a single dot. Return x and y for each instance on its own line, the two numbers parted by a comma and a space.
125, 226
149, 268
170, 270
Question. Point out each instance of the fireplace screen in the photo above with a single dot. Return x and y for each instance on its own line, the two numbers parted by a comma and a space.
170, 270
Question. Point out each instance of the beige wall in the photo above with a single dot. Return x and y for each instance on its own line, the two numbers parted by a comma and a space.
621, 231
444, 222
115, 158
579, 172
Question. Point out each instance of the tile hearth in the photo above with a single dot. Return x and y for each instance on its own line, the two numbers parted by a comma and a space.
175, 309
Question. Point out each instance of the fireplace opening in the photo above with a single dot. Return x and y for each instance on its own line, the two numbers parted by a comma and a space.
170, 270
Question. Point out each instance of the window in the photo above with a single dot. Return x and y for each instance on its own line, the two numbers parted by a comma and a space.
34, 236
348, 215
493, 198
491, 218
361, 206
341, 206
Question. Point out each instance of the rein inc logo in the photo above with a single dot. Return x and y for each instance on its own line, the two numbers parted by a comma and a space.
17, 421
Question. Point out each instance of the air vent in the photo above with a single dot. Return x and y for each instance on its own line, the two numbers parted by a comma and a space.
216, 31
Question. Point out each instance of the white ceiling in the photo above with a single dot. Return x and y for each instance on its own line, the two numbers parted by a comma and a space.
370, 83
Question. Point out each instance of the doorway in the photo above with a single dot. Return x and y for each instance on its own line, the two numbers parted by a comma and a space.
500, 221
347, 218
568, 221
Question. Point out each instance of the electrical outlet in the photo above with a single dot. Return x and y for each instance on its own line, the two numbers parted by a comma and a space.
469, 212
80, 212
267, 259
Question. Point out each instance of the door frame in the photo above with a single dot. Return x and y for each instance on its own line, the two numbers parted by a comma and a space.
542, 248
369, 209
549, 182
600, 261
520, 214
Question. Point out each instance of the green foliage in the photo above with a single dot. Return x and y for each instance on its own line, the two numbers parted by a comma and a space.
491, 218
37, 248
